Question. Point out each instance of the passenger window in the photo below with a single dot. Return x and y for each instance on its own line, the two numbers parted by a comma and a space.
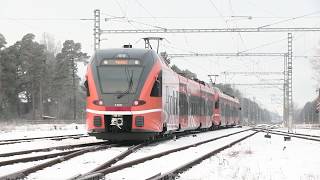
87, 87
157, 87
216, 105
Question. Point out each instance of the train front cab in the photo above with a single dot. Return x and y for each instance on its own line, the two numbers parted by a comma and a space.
124, 99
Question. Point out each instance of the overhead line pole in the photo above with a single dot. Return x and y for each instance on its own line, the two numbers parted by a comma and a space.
285, 102
96, 29
289, 84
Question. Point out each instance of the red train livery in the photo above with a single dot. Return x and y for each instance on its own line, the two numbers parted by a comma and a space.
132, 94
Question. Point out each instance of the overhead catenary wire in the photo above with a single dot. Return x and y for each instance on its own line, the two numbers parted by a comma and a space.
290, 19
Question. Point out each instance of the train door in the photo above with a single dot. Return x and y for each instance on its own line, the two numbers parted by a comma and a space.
170, 98
223, 112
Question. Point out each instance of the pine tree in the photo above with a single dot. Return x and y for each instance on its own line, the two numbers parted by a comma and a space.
66, 81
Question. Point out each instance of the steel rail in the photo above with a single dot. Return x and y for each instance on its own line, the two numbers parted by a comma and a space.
111, 161
173, 173
308, 135
44, 137
13, 141
52, 148
101, 173
288, 134
25, 172
130, 150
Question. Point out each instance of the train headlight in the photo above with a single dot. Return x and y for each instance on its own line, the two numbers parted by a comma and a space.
98, 102
138, 102
136, 62
105, 62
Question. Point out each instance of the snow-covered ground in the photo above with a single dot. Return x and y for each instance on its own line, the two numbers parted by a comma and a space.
262, 158
173, 160
40, 130
89, 161
304, 131
254, 158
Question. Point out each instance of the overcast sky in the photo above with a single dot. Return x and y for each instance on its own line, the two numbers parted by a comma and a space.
61, 19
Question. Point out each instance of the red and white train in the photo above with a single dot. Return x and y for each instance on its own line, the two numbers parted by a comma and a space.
132, 94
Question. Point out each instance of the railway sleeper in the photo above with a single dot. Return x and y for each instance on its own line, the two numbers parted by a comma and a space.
147, 158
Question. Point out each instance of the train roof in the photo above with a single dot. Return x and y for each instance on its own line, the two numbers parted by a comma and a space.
137, 53
225, 96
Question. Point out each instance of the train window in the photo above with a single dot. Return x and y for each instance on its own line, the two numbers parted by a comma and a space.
87, 87
223, 109
227, 110
183, 104
119, 79
210, 108
170, 105
216, 104
203, 106
176, 103
157, 87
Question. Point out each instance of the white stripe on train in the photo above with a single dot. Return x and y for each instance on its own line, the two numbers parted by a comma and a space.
123, 112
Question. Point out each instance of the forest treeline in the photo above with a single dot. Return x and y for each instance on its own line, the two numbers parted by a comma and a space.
308, 114
38, 80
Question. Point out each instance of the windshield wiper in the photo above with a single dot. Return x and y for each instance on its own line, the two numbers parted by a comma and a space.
130, 85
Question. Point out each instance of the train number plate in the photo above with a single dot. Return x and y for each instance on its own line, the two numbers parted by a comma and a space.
117, 121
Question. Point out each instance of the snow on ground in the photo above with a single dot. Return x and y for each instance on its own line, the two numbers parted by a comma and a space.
184, 141
5, 170
37, 144
263, 159
89, 161
254, 158
169, 162
303, 131
75, 166
40, 130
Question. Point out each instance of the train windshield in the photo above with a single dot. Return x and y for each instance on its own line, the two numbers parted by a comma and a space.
119, 79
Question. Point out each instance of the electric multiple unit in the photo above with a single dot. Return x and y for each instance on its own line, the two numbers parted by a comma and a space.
132, 94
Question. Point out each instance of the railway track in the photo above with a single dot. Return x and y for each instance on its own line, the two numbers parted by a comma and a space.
66, 155
172, 174
25, 172
51, 148
102, 171
306, 135
295, 135
22, 140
